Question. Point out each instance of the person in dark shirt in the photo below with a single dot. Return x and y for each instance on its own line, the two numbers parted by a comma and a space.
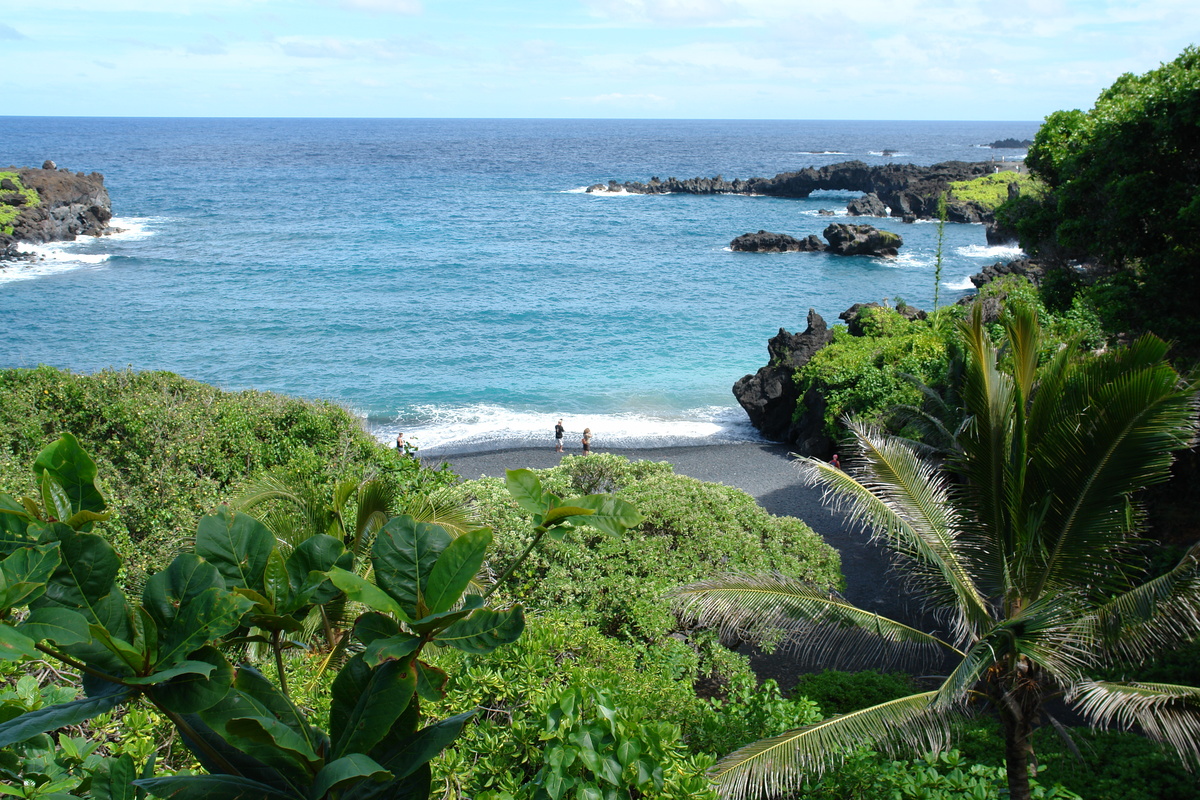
559, 430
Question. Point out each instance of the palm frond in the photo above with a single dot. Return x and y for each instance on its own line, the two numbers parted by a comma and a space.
1125, 425
1159, 614
819, 627
779, 765
1165, 712
906, 501
1045, 632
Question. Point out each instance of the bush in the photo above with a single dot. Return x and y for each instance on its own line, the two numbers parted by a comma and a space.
649, 686
692, 529
861, 374
837, 692
171, 449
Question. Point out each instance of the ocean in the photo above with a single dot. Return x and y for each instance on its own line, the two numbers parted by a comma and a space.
451, 278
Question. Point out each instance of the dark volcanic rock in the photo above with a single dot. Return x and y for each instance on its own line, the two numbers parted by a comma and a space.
1022, 266
70, 204
767, 242
904, 188
769, 396
869, 205
861, 240
1010, 144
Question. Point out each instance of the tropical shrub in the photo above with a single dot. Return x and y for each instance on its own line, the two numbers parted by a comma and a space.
172, 449
59, 597
690, 528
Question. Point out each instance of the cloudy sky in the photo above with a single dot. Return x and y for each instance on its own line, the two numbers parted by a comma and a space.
719, 59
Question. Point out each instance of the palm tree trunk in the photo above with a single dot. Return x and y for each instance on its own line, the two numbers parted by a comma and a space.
1018, 749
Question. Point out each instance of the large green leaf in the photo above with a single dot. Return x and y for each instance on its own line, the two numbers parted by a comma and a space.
455, 568
15, 645
25, 572
192, 692
85, 576
416, 786
347, 770
205, 618
404, 554
609, 515
526, 489
252, 695
59, 625
373, 625
73, 470
218, 756
237, 544
213, 787
273, 733
316, 554
391, 648
14, 524
173, 588
361, 590
407, 756
31, 723
365, 702
484, 630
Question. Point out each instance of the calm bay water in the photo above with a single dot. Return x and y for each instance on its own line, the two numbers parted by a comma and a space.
450, 278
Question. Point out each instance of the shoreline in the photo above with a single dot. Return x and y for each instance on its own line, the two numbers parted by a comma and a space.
764, 472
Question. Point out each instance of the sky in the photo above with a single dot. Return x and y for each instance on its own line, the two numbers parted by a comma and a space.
659, 59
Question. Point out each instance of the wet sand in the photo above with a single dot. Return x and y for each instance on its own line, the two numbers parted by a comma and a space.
764, 472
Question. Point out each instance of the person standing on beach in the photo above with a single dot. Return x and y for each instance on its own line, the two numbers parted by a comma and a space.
559, 430
400, 443
587, 441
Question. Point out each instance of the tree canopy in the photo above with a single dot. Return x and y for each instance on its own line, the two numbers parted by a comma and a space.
1124, 182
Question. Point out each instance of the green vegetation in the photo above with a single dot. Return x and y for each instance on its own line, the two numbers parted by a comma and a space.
1025, 541
864, 375
59, 597
1123, 184
13, 201
990, 191
690, 529
170, 449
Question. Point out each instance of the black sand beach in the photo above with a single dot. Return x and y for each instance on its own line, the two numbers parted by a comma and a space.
764, 472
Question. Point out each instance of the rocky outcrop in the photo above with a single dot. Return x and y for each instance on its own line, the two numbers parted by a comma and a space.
770, 395
70, 204
1010, 144
1022, 266
903, 188
844, 240
862, 240
767, 242
869, 205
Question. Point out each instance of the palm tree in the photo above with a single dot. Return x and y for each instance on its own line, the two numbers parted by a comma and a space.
1023, 546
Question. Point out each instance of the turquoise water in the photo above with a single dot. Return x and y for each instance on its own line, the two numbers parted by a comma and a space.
450, 278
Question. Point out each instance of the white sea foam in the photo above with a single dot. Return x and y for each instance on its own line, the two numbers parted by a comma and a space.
132, 229
990, 251
49, 259
838, 211
443, 431
55, 257
820, 152
888, 153
959, 286
576, 190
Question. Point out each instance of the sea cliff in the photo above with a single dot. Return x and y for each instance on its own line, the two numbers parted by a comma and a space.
50, 205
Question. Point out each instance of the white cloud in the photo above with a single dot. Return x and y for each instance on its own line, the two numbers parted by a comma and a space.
9, 32
409, 7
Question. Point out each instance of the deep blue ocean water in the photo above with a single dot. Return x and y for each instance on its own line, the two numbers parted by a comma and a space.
450, 278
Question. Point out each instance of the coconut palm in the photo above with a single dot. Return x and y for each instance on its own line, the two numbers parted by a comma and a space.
1023, 545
